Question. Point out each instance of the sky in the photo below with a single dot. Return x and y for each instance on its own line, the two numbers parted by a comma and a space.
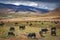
43, 4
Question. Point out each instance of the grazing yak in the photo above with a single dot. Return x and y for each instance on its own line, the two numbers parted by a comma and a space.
11, 33
1, 24
43, 30
53, 31
30, 24
22, 27
12, 28
31, 35
16, 23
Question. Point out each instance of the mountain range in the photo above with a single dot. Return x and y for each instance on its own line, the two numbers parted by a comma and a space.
22, 8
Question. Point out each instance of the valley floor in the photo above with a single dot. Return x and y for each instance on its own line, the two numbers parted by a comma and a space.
53, 18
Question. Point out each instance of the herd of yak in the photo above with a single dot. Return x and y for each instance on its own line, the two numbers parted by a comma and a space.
30, 35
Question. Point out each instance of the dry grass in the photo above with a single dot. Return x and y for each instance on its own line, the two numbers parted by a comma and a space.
22, 34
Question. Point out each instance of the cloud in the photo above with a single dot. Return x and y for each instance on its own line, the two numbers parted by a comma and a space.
33, 4
49, 6
23, 3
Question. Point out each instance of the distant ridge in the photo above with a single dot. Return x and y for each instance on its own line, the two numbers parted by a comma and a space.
55, 12
23, 8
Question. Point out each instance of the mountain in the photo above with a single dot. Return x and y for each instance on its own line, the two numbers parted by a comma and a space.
55, 12
7, 6
23, 8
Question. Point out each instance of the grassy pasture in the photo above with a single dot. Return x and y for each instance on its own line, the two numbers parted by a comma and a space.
36, 27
